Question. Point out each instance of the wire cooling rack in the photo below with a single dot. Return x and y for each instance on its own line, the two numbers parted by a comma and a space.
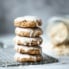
7, 54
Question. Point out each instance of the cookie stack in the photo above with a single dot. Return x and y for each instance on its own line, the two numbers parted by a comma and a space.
27, 39
59, 35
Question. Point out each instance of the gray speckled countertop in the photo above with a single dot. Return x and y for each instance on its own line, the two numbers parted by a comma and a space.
45, 66
63, 64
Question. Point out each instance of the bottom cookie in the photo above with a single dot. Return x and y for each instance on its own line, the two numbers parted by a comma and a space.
27, 58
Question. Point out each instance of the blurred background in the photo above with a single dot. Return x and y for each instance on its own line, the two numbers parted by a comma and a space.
11, 9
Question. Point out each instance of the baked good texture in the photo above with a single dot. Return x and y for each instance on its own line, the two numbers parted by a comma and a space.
61, 50
59, 33
27, 58
28, 41
28, 50
58, 30
27, 21
28, 32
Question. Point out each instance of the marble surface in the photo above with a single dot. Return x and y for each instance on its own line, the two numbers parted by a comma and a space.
62, 64
46, 66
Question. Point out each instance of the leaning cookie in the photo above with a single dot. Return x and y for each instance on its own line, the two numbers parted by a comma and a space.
27, 21
26, 58
61, 50
28, 50
28, 32
28, 41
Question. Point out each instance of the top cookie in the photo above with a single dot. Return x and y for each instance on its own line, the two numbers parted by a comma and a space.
27, 21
